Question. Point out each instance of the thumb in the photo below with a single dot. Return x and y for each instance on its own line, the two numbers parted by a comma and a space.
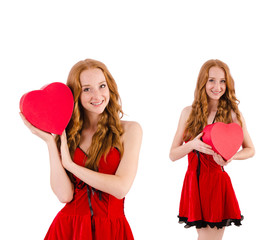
63, 136
199, 136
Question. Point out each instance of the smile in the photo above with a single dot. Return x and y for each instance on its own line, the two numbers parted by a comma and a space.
216, 92
97, 103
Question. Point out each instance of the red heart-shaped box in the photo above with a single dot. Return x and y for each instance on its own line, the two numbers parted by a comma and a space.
50, 108
225, 139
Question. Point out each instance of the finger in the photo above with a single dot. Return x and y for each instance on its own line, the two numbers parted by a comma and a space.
206, 150
228, 161
221, 161
206, 145
199, 136
26, 122
63, 137
23, 117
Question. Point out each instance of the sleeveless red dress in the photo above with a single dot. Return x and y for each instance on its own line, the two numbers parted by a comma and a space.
208, 197
92, 215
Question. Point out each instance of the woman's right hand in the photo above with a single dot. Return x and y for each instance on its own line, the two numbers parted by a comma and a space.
199, 145
47, 137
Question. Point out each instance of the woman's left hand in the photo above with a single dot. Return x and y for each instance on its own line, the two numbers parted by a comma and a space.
64, 150
219, 160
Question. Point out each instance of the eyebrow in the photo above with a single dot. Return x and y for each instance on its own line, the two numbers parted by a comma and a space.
87, 85
215, 78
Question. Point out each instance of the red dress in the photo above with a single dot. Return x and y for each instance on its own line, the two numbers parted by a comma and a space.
207, 196
104, 220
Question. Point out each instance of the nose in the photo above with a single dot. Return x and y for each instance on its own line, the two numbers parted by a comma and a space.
217, 85
95, 94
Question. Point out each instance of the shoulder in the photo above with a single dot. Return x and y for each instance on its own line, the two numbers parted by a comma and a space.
185, 113
131, 127
234, 117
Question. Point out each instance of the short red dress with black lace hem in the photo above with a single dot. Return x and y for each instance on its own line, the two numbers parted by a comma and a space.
92, 215
208, 197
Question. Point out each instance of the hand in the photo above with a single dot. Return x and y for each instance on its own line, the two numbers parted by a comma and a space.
199, 145
47, 137
229, 160
219, 160
65, 153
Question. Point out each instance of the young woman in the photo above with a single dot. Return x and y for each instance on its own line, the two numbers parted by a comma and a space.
94, 162
208, 200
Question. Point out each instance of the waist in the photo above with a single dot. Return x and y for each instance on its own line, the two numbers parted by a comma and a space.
206, 163
103, 205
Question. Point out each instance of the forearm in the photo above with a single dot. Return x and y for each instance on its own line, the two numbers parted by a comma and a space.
180, 151
245, 153
60, 182
112, 184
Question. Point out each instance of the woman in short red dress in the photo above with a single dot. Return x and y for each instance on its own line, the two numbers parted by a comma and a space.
208, 201
94, 162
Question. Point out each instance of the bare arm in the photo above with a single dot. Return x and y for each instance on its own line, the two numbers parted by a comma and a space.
59, 180
119, 184
179, 149
248, 149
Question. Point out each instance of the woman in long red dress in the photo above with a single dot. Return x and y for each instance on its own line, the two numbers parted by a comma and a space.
94, 162
208, 201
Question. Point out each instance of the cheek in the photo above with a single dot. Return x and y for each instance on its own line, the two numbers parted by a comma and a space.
108, 97
208, 87
82, 98
107, 94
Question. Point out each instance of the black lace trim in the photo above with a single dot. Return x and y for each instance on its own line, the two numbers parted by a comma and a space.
203, 224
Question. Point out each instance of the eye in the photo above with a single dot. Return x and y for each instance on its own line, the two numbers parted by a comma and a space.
223, 81
86, 89
103, 85
211, 80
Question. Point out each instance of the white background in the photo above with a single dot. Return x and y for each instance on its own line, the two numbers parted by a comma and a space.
154, 50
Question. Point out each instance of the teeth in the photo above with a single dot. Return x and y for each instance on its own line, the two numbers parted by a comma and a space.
96, 104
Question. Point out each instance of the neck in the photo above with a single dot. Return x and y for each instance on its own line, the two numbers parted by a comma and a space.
90, 121
213, 105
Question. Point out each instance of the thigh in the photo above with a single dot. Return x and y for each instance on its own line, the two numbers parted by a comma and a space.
210, 233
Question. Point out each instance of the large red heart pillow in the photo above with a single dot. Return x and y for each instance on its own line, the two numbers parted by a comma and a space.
50, 108
225, 139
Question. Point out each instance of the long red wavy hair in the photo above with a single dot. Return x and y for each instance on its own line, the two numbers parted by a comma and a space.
109, 128
227, 103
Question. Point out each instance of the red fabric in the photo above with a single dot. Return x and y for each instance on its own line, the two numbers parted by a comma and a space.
74, 221
210, 199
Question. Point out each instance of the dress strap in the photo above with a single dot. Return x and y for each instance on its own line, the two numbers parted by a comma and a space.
89, 192
199, 165
214, 118
198, 175
89, 200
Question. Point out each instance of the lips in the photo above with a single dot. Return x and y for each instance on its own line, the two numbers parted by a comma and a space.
97, 103
216, 92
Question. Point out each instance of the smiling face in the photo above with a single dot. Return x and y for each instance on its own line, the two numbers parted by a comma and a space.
216, 83
95, 93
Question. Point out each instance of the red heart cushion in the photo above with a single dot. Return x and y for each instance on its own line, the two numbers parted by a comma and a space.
49, 108
225, 139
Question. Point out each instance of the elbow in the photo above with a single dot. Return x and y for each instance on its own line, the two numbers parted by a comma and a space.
65, 199
252, 152
121, 193
172, 157
121, 190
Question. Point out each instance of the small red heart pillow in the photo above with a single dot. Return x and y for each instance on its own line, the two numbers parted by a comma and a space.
50, 108
225, 139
